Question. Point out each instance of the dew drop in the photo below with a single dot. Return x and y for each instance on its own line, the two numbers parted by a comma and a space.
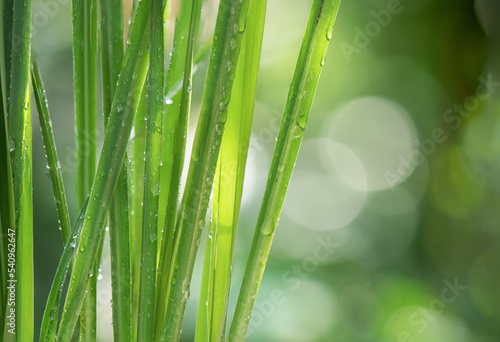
156, 189
302, 122
152, 237
329, 31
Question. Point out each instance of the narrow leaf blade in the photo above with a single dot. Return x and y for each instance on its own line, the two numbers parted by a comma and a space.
228, 182
302, 89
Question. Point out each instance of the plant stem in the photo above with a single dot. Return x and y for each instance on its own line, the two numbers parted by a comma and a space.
228, 183
49, 320
300, 97
119, 221
224, 58
84, 14
145, 327
137, 152
51, 151
177, 117
7, 207
116, 137
18, 53
173, 130
111, 50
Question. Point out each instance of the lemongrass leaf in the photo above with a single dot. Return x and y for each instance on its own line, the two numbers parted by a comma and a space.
18, 54
48, 327
7, 208
228, 182
51, 152
116, 137
194, 204
177, 117
300, 98
84, 13
145, 326
85, 90
119, 221
137, 150
111, 28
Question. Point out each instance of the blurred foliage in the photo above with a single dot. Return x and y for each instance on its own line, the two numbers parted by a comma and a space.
358, 255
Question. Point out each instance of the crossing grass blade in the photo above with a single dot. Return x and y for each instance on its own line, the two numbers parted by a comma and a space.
17, 49
177, 117
50, 316
217, 92
298, 106
145, 327
228, 183
51, 152
116, 137
171, 120
137, 147
119, 220
174, 130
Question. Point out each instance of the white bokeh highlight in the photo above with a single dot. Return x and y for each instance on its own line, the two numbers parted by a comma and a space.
380, 133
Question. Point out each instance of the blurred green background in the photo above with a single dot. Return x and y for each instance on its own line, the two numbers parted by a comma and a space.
390, 230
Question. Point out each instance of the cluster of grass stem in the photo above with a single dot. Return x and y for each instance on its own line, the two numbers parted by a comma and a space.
134, 185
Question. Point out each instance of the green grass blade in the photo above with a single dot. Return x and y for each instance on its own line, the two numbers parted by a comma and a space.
19, 127
84, 14
116, 137
204, 318
119, 235
51, 152
7, 25
111, 50
228, 182
7, 208
85, 91
298, 106
137, 149
119, 220
224, 58
177, 117
136, 178
200, 55
173, 128
172, 111
50, 316
145, 327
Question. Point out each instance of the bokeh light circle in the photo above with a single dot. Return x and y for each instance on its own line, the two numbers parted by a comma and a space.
382, 135
323, 198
